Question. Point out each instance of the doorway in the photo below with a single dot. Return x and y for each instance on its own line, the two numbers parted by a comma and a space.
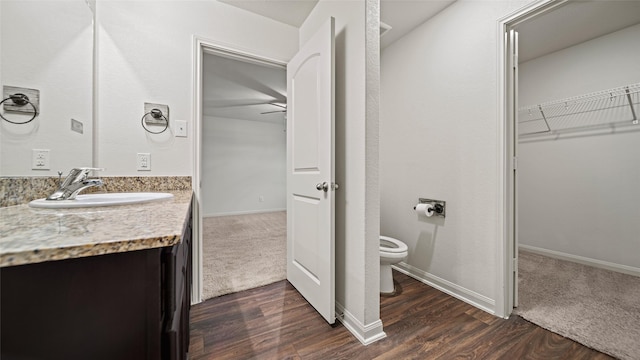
243, 175
248, 108
309, 151
571, 119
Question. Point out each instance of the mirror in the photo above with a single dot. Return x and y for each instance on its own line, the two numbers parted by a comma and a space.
48, 46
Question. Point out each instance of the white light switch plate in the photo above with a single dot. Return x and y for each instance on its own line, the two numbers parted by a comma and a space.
77, 126
144, 162
181, 128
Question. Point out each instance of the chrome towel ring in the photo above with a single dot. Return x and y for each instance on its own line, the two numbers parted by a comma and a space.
156, 114
20, 100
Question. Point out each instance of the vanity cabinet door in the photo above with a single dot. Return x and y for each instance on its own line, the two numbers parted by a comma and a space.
131, 305
177, 292
99, 307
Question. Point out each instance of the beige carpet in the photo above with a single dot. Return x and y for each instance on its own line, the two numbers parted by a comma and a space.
243, 251
595, 307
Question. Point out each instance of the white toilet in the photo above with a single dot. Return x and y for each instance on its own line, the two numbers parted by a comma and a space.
392, 251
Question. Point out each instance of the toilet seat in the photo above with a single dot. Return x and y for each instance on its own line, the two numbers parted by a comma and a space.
392, 251
391, 245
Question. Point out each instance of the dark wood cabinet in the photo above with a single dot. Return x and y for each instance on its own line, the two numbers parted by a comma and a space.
130, 305
178, 267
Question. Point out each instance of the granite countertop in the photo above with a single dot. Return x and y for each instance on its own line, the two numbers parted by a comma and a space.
30, 235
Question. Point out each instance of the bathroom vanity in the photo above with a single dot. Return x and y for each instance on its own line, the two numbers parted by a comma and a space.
100, 283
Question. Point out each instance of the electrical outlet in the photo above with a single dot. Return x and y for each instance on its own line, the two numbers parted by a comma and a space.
261, 198
181, 128
144, 162
40, 159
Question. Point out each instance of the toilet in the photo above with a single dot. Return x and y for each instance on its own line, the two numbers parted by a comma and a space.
392, 251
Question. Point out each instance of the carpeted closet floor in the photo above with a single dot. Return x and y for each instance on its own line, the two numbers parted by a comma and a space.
243, 251
596, 307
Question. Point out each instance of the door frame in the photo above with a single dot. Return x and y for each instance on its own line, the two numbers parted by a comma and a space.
203, 46
507, 140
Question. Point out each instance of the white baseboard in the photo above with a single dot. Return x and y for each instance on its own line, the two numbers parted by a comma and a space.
248, 212
625, 269
471, 297
366, 334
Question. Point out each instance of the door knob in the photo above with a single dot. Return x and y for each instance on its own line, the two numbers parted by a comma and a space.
324, 186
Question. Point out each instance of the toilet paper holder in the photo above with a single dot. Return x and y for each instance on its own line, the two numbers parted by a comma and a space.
439, 206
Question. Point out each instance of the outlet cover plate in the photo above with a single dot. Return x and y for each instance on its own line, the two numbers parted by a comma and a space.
40, 159
144, 162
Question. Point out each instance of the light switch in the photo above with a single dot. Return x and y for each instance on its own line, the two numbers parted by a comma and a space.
181, 128
77, 126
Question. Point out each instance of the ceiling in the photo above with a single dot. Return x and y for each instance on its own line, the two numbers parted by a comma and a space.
405, 15
574, 23
292, 12
241, 90
402, 15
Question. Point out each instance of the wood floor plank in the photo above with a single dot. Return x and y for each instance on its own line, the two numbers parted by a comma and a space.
539, 344
275, 322
287, 352
493, 342
337, 344
434, 340
196, 345
482, 315
257, 334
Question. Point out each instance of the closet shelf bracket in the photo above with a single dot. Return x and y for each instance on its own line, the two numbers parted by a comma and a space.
544, 118
633, 111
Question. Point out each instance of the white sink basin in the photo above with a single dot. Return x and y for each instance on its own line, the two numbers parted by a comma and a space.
94, 200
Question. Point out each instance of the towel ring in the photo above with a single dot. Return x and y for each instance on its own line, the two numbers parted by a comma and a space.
156, 114
20, 100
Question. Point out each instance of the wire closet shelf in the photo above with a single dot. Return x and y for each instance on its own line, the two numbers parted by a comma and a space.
607, 108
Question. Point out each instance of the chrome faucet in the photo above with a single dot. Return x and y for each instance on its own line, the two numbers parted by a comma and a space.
76, 181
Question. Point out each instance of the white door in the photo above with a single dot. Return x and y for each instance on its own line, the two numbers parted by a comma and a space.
512, 88
310, 172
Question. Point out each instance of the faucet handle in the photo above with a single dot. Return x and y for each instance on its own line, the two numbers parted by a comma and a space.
78, 174
75, 182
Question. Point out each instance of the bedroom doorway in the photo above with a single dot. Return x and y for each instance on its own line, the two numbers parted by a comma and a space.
242, 173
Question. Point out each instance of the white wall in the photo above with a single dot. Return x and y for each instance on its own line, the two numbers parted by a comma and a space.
439, 140
579, 194
242, 161
357, 255
146, 55
47, 45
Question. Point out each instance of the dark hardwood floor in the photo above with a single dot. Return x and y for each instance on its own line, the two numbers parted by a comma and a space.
275, 322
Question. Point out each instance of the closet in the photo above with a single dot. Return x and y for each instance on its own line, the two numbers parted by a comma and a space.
578, 175
579, 159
